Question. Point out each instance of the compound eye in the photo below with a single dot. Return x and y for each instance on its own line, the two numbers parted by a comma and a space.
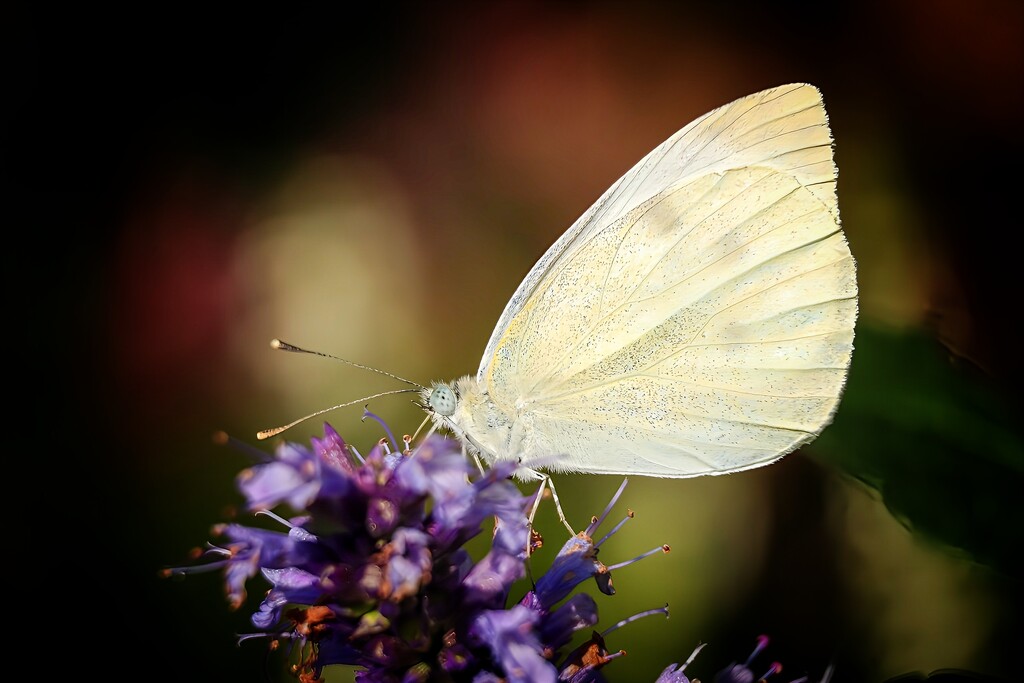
443, 400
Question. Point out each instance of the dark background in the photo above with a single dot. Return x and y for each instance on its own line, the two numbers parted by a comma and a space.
157, 166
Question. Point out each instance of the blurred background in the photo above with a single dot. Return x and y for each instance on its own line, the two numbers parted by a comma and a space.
374, 183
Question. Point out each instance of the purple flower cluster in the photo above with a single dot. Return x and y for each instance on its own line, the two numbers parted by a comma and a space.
374, 573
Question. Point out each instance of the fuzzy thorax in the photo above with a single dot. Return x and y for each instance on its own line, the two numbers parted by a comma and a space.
465, 409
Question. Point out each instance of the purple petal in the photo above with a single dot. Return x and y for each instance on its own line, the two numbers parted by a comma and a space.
292, 477
332, 451
455, 658
487, 677
575, 563
557, 628
735, 673
269, 612
297, 584
511, 637
404, 578
249, 550
672, 674
382, 514
290, 585
436, 467
490, 580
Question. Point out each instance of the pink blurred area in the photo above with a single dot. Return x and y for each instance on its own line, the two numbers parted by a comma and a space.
375, 186
173, 294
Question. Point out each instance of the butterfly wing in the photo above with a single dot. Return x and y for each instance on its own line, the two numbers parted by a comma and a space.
698, 318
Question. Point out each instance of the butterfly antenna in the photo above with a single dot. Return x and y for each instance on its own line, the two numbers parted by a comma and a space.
267, 433
285, 346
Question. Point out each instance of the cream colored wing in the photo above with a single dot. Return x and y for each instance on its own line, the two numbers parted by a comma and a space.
698, 319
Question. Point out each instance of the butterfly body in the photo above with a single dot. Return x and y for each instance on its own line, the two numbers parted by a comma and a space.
697, 319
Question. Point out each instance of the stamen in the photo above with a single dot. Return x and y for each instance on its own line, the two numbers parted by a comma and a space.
295, 531
211, 548
222, 438
762, 643
629, 516
382, 423
640, 615
242, 637
198, 569
693, 656
608, 508
194, 569
775, 668
276, 517
660, 549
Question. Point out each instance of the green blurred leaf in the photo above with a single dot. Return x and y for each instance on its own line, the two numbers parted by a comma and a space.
940, 444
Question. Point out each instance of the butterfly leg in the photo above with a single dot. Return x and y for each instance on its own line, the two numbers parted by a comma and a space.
547, 482
558, 506
536, 501
476, 459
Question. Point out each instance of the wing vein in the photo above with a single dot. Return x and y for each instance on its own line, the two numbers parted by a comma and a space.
642, 372
770, 287
582, 338
729, 125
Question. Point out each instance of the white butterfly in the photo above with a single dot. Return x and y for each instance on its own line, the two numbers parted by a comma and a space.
697, 319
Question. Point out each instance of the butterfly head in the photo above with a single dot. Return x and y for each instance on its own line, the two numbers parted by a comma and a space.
442, 402
441, 399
